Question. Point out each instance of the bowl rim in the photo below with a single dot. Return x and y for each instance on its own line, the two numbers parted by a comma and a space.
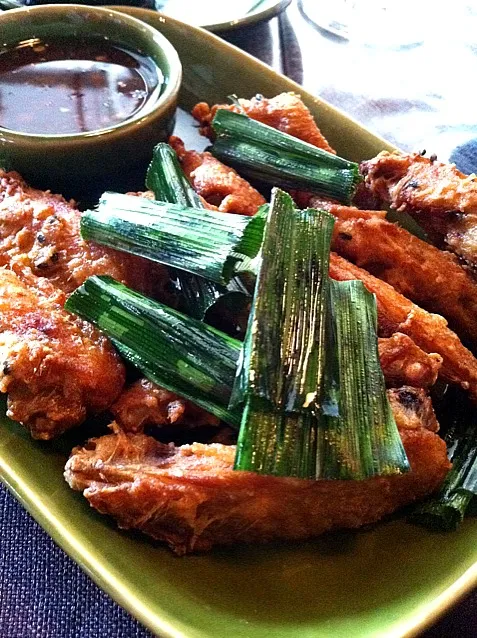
142, 117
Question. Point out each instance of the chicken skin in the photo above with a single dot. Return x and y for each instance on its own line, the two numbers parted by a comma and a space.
56, 368
430, 277
145, 403
429, 331
404, 363
285, 112
40, 241
442, 199
191, 498
220, 187
40, 237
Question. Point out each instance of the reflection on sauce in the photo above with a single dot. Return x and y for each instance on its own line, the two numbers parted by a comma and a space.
64, 87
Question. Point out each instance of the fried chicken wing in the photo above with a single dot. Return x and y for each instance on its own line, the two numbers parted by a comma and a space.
40, 236
145, 403
429, 331
285, 112
56, 368
412, 409
40, 241
191, 498
220, 187
430, 277
404, 363
442, 199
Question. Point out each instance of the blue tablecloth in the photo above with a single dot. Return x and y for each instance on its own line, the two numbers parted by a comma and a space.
44, 594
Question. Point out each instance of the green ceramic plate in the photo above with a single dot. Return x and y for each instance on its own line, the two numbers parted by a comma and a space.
390, 580
223, 16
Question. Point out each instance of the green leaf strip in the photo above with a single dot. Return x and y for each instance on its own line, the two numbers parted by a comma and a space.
277, 443
167, 181
176, 352
363, 441
446, 510
241, 127
275, 167
282, 370
204, 242
284, 356
299, 419
197, 296
265, 153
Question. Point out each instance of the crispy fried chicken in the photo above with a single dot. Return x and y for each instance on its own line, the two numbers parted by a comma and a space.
429, 331
145, 403
56, 368
442, 199
191, 498
412, 409
220, 187
40, 241
432, 278
40, 237
285, 112
404, 363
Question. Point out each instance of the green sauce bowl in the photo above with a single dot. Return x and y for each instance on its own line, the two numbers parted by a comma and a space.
82, 165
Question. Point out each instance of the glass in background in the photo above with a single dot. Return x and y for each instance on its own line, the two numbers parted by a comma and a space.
390, 23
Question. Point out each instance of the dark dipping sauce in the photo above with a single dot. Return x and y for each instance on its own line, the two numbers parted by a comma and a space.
65, 87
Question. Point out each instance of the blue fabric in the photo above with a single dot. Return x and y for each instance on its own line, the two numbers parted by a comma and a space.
43, 594
465, 157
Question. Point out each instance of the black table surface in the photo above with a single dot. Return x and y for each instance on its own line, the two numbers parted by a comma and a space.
42, 592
